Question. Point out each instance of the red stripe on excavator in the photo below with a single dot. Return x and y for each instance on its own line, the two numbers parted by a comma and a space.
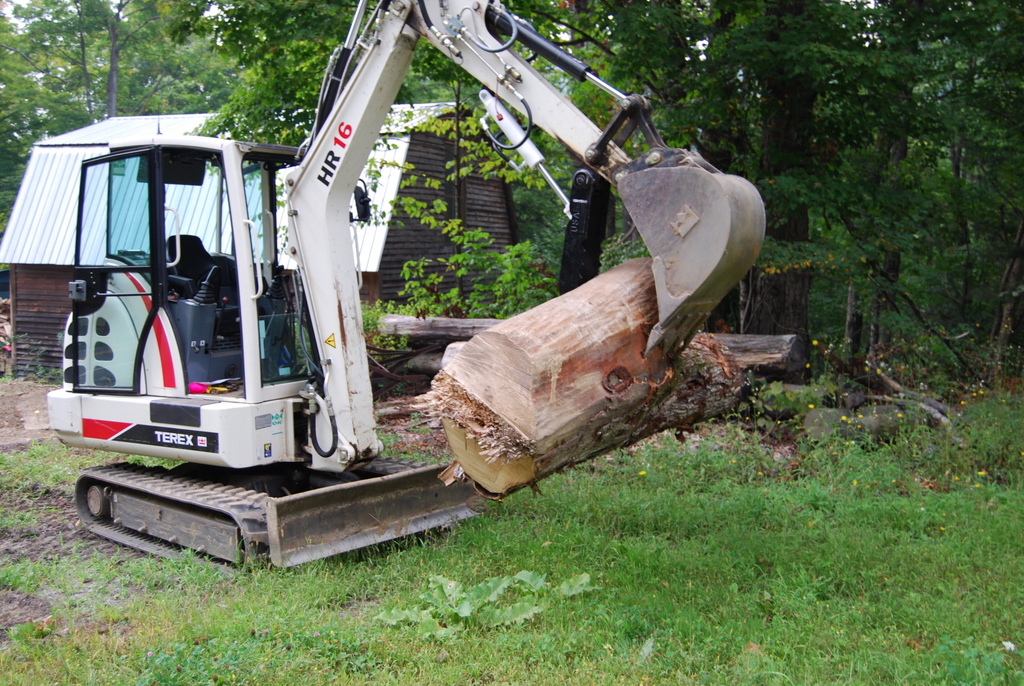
166, 362
102, 429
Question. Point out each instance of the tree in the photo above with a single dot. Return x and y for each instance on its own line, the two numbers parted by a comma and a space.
82, 51
65, 64
882, 135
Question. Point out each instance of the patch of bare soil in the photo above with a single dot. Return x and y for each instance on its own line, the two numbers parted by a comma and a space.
18, 608
416, 436
50, 529
23, 417
41, 523
52, 533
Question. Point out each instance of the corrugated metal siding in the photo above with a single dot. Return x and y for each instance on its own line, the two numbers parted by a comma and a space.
386, 164
41, 229
41, 295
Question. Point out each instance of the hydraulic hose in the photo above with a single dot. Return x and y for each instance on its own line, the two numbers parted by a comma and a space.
334, 431
526, 135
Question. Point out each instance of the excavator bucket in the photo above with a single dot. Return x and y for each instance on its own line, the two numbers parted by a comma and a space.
704, 230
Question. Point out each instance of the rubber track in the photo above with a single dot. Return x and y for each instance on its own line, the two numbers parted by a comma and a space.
244, 507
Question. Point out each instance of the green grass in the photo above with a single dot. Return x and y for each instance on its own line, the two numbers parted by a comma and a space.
852, 563
46, 465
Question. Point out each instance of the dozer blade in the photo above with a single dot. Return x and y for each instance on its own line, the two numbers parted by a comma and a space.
327, 521
704, 230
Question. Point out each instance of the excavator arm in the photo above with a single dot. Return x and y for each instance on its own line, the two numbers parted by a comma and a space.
703, 228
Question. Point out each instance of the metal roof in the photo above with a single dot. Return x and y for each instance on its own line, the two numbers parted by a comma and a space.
101, 133
41, 228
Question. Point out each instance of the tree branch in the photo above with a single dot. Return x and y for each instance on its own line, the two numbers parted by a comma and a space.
159, 86
586, 36
27, 59
928, 329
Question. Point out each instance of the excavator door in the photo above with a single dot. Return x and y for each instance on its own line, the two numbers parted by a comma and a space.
114, 306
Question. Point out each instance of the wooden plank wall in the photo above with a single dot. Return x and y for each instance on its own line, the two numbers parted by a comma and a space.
40, 307
487, 207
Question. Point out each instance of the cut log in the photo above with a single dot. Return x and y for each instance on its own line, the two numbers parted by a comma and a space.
568, 380
434, 329
766, 357
773, 358
427, 364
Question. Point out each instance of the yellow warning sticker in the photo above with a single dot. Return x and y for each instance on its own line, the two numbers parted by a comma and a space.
330, 341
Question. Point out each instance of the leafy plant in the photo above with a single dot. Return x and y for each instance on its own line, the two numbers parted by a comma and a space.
968, 663
505, 283
476, 279
778, 401
451, 608
31, 630
372, 314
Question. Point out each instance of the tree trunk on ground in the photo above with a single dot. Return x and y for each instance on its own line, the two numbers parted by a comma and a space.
433, 328
567, 381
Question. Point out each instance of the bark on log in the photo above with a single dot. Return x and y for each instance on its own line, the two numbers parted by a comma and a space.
427, 364
567, 381
433, 328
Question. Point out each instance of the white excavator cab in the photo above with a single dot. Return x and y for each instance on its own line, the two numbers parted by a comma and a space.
187, 341
177, 293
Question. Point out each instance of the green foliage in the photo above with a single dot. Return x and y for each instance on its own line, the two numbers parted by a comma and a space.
719, 560
18, 577
968, 663
372, 313
45, 465
774, 401
450, 608
65, 65
31, 631
617, 250
504, 282
245, 659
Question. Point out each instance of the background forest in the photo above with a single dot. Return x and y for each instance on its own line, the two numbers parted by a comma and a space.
884, 136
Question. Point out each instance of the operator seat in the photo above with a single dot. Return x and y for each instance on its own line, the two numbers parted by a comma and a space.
196, 276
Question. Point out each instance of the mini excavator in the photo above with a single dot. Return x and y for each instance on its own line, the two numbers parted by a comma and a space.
177, 286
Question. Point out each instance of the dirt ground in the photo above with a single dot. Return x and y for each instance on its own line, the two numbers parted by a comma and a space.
23, 417
51, 531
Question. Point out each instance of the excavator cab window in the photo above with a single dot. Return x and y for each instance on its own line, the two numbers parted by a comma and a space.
280, 331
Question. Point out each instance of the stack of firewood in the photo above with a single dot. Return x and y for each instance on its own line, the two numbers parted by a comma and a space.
6, 343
